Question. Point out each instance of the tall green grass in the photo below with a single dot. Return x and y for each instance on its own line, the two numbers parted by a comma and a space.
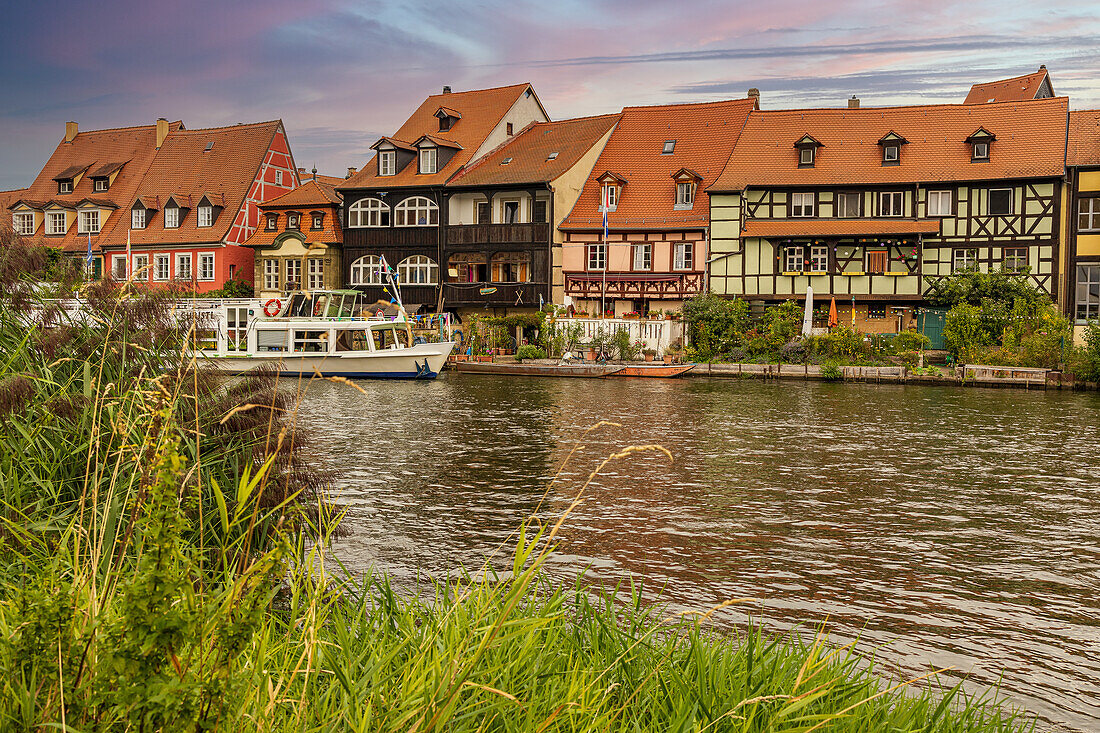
162, 568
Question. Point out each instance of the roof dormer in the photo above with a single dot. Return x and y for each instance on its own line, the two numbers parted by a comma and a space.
807, 147
447, 118
891, 144
610, 190
981, 140
686, 182
70, 177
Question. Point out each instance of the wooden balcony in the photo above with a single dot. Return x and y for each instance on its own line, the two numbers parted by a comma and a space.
396, 237
511, 295
502, 234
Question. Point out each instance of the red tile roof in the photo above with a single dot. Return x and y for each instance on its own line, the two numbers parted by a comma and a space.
837, 227
1016, 89
317, 193
184, 168
528, 153
1084, 137
481, 110
7, 198
1030, 143
704, 134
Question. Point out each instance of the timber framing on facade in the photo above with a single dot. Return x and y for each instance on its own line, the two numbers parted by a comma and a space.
1082, 285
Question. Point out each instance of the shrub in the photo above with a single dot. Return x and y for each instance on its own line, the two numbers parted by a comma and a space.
793, 352
1086, 360
909, 359
715, 324
529, 351
622, 345
909, 341
843, 342
832, 372
963, 331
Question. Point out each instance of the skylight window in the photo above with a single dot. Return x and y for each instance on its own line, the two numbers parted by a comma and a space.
506, 161
552, 155
209, 146
670, 145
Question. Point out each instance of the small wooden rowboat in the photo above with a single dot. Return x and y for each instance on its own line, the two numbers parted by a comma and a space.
656, 371
591, 371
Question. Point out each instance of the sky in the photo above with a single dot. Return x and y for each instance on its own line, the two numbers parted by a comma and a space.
342, 73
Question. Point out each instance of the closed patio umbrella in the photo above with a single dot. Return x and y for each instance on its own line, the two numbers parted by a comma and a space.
834, 319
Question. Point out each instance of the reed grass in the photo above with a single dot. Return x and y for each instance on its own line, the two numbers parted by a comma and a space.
162, 567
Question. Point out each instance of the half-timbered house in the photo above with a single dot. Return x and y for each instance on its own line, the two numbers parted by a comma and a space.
871, 205
1082, 290
649, 178
396, 209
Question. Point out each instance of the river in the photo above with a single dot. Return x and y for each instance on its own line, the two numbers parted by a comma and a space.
944, 527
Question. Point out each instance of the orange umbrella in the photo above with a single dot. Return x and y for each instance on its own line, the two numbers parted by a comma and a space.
834, 319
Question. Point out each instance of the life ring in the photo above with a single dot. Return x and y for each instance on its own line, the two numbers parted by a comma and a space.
278, 307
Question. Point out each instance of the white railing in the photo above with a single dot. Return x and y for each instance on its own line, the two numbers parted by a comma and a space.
656, 335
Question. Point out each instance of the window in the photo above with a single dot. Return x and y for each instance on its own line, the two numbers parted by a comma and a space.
418, 270
368, 213
609, 197
416, 211
508, 128
278, 178
848, 205
444, 122
315, 272
271, 274
939, 203
891, 203
980, 151
23, 223
137, 218
643, 256
1088, 214
89, 222
802, 204
100, 184
682, 256
510, 210
483, 213
183, 266
428, 160
552, 155
292, 220
171, 218
819, 259
65, 186
468, 268
965, 259
597, 256
806, 156
876, 311
387, 162
272, 222
160, 267
367, 270
206, 216
206, 266
685, 193
118, 267
55, 222
538, 215
1088, 292
670, 145
1015, 259
318, 220
141, 267
1000, 201
890, 154
293, 271
793, 259
511, 267
877, 262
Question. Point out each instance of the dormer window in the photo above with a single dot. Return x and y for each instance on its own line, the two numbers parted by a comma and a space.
444, 123
89, 222
447, 118
318, 220
609, 196
670, 145
428, 160
685, 193
292, 220
807, 151
980, 141
100, 184
272, 222
137, 218
387, 162
65, 186
171, 217
891, 144
890, 154
206, 215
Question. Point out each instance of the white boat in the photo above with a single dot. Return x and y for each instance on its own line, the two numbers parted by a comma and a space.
331, 332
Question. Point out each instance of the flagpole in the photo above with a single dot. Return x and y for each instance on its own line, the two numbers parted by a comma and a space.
606, 257
129, 258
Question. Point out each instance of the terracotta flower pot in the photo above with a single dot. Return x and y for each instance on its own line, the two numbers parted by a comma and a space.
668, 358
649, 357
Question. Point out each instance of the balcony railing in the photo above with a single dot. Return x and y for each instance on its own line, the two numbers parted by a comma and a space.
513, 295
498, 234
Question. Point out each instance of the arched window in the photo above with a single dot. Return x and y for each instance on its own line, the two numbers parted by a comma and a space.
368, 212
418, 270
367, 270
416, 211
511, 267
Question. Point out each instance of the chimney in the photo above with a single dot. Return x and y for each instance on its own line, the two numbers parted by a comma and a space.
162, 131
853, 103
70, 131
446, 90
351, 172
754, 94
1042, 67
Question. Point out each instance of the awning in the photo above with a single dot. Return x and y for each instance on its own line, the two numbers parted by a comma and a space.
838, 227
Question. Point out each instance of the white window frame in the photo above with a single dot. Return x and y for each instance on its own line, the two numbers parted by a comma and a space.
23, 222
806, 156
968, 260
794, 258
205, 259
278, 178
387, 162
137, 218
1017, 266
418, 270
172, 217
116, 260
683, 256
105, 183
685, 193
367, 270
799, 207
293, 220
271, 274
206, 216
1087, 292
141, 267
1011, 202
1088, 210
428, 161
843, 196
642, 257
315, 273
88, 221
368, 213
292, 272
609, 195
317, 221
162, 264
887, 157
412, 208
980, 151
65, 186
819, 258
53, 219
892, 197
183, 269
939, 209
596, 257
271, 222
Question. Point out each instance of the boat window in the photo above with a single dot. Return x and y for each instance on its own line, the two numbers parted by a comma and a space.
310, 341
352, 340
390, 337
270, 340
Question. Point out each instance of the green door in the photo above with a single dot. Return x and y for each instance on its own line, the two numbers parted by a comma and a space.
930, 322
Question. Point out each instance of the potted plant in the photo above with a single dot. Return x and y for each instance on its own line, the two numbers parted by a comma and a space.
649, 354
630, 315
672, 353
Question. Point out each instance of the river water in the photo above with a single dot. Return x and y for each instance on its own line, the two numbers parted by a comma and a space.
944, 527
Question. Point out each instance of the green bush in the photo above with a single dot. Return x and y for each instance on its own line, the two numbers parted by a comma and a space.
715, 324
530, 351
909, 341
832, 372
622, 345
1086, 360
843, 342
